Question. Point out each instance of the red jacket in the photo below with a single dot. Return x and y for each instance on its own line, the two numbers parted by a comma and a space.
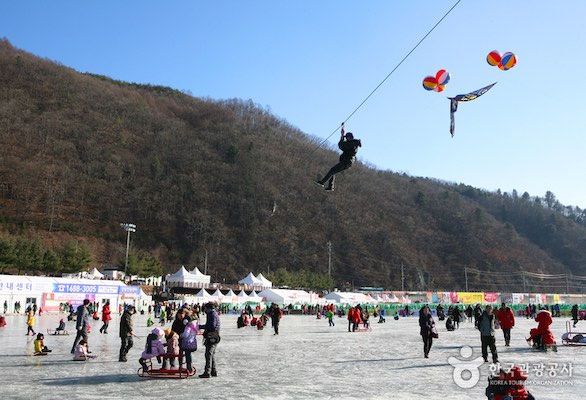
506, 318
106, 314
543, 318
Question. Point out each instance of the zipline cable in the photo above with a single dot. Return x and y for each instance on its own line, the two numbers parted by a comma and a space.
388, 76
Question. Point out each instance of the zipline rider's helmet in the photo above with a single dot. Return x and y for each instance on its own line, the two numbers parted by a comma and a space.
349, 136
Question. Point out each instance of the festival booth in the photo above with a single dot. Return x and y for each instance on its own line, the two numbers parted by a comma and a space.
264, 282
185, 279
95, 274
49, 292
250, 282
287, 296
350, 298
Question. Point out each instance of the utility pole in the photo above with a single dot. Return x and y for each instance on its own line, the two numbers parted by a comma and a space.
524, 289
128, 228
205, 262
466, 275
567, 284
329, 258
402, 278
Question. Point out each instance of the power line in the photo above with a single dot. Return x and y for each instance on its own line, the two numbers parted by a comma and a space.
389, 75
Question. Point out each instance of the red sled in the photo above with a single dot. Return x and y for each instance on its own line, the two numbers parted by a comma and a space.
150, 372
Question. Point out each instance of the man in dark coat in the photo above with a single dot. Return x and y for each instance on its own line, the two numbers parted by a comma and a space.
275, 317
126, 332
349, 147
487, 339
211, 336
427, 329
82, 323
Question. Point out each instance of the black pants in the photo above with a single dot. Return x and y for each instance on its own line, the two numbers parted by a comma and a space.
488, 341
344, 164
104, 328
276, 326
507, 335
81, 334
427, 342
126, 345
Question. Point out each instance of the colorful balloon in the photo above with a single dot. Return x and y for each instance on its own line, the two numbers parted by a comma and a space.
442, 77
493, 58
439, 88
429, 83
508, 61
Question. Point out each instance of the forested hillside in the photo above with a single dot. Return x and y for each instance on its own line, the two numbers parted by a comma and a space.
227, 182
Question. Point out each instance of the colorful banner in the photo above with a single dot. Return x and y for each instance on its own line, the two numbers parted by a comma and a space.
491, 297
51, 301
471, 297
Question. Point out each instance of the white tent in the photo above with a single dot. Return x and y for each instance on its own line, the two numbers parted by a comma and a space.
250, 280
286, 296
95, 274
264, 282
254, 297
230, 297
243, 297
349, 298
183, 278
217, 296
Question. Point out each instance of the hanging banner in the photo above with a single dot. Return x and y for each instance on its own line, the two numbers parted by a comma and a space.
471, 297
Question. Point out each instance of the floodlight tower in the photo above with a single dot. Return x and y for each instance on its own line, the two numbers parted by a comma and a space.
128, 228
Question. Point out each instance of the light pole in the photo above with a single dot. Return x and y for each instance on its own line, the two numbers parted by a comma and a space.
128, 228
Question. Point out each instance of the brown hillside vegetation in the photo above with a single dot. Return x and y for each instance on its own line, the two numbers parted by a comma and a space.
82, 153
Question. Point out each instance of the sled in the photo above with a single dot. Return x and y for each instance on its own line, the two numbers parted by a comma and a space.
573, 338
362, 329
181, 373
56, 332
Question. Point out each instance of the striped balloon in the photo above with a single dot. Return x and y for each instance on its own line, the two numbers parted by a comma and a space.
493, 58
442, 77
508, 61
439, 88
429, 83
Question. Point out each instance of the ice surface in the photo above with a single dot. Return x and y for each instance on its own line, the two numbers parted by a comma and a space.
308, 359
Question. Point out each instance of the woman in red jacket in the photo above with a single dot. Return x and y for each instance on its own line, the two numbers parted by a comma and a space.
105, 317
506, 317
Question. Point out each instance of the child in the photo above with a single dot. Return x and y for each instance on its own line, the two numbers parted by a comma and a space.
150, 322
30, 322
2, 321
330, 315
189, 340
162, 316
40, 348
80, 352
381, 319
172, 347
153, 348
61, 327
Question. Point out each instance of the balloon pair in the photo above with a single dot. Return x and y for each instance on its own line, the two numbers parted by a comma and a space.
438, 82
504, 62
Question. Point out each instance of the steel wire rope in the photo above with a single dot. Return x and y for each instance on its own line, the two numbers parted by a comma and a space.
388, 76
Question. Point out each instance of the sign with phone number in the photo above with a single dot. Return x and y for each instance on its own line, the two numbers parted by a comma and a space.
94, 289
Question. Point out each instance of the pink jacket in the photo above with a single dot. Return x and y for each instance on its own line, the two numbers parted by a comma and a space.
173, 345
80, 352
156, 347
189, 336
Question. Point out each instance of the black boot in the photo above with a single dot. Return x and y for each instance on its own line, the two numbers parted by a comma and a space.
214, 373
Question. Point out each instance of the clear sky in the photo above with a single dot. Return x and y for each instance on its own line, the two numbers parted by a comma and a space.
313, 62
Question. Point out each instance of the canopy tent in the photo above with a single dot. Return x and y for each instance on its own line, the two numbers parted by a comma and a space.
95, 274
250, 280
349, 298
243, 297
254, 297
286, 296
185, 279
217, 296
264, 282
230, 297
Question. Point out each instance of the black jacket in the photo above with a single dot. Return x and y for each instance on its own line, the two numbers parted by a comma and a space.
349, 148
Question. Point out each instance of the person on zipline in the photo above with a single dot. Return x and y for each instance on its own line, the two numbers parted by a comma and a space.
349, 147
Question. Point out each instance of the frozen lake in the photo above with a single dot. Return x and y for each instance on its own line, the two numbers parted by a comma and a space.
308, 359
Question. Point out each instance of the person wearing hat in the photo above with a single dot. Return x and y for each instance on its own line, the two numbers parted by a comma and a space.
172, 348
349, 147
211, 336
126, 332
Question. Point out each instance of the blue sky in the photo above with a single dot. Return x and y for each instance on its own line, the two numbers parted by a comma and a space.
313, 62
